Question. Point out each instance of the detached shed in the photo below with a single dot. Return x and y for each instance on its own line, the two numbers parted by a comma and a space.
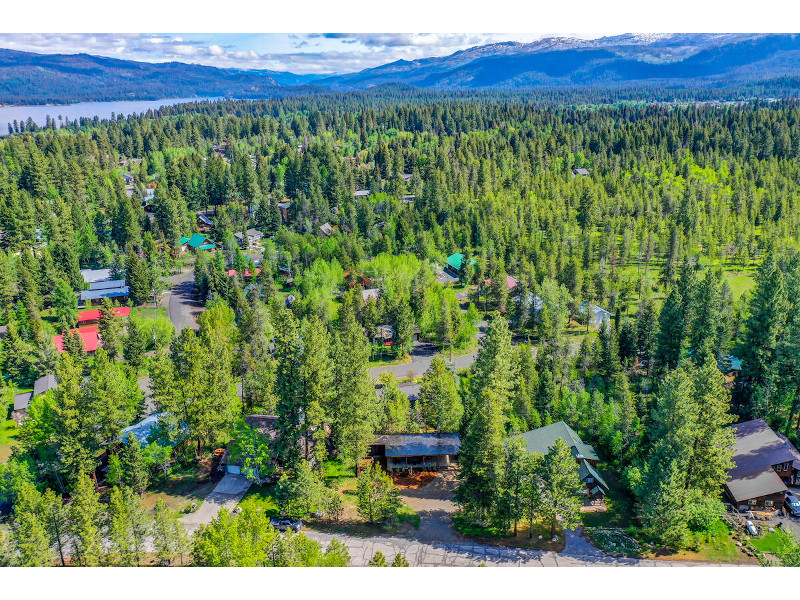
408, 451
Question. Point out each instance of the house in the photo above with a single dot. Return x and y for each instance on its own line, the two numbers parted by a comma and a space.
597, 316
112, 288
326, 229
355, 279
534, 301
540, 441
361, 193
197, 242
511, 282
284, 207
455, 262
92, 317
371, 294
232, 272
89, 335
407, 177
254, 236
127, 178
93, 275
204, 223
21, 401
383, 335
146, 432
765, 463
409, 451
266, 426
407, 199
582, 172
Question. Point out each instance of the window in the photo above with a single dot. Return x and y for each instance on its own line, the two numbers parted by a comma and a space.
589, 480
752, 502
767, 502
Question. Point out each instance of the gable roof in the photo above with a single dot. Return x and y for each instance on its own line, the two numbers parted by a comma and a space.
196, 240
204, 219
94, 315
587, 470
420, 444
183, 241
22, 400
541, 440
89, 335
92, 275
43, 384
756, 449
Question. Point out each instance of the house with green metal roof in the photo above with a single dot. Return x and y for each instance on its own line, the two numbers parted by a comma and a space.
455, 262
540, 441
197, 242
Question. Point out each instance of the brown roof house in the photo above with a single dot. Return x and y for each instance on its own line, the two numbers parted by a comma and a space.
764, 463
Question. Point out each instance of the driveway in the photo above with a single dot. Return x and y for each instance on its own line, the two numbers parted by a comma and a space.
229, 491
182, 309
435, 506
422, 357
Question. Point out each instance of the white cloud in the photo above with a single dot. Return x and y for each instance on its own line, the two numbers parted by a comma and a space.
301, 53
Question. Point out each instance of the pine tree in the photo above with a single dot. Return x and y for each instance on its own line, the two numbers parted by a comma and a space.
29, 531
396, 403
439, 400
84, 519
315, 388
378, 560
108, 329
56, 522
377, 498
169, 536
669, 342
399, 561
65, 303
482, 458
135, 471
135, 347
560, 499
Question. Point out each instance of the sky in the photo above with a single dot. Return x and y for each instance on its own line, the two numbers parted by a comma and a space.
300, 53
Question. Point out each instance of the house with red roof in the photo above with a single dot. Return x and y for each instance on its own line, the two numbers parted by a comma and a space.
89, 335
92, 317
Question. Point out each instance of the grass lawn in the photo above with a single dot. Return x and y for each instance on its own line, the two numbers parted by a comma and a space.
497, 537
181, 488
619, 506
261, 497
8, 432
740, 283
714, 545
150, 312
770, 542
376, 361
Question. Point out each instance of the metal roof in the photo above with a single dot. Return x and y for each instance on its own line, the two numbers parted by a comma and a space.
111, 293
107, 285
22, 400
92, 275
420, 444
43, 384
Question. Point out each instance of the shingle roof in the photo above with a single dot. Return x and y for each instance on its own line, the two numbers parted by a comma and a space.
587, 470
420, 444
43, 384
540, 440
756, 449
22, 400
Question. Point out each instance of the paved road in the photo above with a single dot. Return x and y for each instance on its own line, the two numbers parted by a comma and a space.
465, 554
182, 310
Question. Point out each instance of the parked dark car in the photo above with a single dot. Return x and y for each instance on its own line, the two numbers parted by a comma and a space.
792, 505
284, 523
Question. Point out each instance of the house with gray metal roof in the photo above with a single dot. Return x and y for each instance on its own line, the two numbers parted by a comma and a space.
764, 464
23, 400
409, 451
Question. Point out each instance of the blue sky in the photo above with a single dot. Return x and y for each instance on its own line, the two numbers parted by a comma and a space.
295, 52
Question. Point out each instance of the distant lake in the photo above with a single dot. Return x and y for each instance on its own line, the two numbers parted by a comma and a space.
87, 110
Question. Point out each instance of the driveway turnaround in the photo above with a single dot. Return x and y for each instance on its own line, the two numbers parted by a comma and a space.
228, 493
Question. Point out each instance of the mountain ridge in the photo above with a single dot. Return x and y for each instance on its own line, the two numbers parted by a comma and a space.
625, 60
